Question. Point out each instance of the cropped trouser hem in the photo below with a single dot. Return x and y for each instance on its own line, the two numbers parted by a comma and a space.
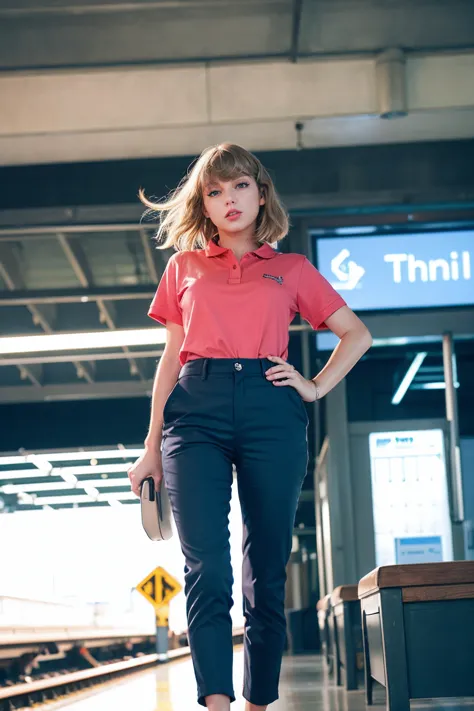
202, 693
258, 700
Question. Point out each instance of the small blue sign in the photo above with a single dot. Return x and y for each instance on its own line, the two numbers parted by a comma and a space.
423, 549
402, 271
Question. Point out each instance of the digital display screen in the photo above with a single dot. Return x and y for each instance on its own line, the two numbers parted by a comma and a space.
403, 271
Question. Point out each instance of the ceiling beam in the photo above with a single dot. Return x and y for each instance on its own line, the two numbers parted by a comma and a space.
76, 257
296, 29
11, 273
13, 277
79, 262
76, 391
25, 297
35, 360
94, 8
150, 256
46, 231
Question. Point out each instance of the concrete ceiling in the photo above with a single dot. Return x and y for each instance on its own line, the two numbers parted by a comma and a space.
91, 33
117, 80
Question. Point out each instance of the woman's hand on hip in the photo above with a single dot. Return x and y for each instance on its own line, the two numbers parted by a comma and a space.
149, 464
283, 374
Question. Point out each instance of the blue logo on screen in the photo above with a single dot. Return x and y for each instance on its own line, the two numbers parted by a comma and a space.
400, 271
348, 272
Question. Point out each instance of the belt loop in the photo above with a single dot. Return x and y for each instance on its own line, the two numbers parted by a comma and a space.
204, 369
262, 365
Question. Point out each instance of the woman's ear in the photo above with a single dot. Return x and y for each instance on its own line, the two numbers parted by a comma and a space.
262, 196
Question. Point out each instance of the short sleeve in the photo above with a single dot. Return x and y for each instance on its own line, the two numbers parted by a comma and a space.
165, 306
316, 298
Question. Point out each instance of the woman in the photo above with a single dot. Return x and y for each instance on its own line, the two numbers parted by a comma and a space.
225, 394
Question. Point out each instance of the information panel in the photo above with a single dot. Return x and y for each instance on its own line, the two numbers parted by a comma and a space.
410, 497
424, 549
402, 271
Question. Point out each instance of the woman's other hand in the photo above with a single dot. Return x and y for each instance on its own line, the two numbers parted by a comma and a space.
283, 374
149, 464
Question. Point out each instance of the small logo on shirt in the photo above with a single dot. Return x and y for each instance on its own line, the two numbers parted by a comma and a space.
279, 279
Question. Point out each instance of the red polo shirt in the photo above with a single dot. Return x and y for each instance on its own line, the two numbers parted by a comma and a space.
240, 310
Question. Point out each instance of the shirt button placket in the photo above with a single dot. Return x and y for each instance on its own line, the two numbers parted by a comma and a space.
235, 274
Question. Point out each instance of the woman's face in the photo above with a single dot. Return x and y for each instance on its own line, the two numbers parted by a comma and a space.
232, 205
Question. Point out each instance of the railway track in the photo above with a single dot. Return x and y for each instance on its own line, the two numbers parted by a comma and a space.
54, 687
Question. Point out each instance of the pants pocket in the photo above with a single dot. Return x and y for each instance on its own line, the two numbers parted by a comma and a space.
295, 394
169, 400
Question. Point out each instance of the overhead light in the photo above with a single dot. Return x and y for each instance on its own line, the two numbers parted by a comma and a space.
60, 486
91, 491
83, 498
74, 456
356, 230
408, 378
66, 473
68, 477
440, 385
82, 341
42, 463
26, 498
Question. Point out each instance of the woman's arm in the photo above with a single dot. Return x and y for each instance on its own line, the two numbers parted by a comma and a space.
355, 341
149, 463
165, 380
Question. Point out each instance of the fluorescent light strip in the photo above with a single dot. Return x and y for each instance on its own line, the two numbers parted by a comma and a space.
73, 456
356, 230
82, 341
63, 472
91, 491
434, 386
60, 486
83, 498
408, 378
26, 499
70, 479
93, 469
42, 463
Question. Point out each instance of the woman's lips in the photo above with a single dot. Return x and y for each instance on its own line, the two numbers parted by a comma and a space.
233, 216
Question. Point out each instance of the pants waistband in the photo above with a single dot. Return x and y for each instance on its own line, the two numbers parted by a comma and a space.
226, 366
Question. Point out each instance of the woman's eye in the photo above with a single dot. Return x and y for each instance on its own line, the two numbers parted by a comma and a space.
212, 193
243, 184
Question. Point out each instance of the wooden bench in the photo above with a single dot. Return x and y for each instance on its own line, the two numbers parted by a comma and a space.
418, 631
323, 608
347, 633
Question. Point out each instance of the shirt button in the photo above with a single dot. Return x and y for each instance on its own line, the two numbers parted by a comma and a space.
235, 266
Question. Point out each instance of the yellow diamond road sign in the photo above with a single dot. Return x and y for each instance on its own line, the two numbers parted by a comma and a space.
159, 587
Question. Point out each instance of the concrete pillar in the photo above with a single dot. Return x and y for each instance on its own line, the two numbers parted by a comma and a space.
339, 488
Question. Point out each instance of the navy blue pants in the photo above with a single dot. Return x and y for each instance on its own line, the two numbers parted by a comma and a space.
223, 412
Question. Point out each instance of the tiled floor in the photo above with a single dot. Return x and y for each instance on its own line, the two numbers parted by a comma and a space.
303, 687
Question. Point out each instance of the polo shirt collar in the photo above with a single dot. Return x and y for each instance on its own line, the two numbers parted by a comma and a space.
265, 251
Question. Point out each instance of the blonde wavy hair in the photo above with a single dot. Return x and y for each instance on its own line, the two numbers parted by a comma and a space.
183, 224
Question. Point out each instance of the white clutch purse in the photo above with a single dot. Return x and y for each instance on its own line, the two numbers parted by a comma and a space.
156, 510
